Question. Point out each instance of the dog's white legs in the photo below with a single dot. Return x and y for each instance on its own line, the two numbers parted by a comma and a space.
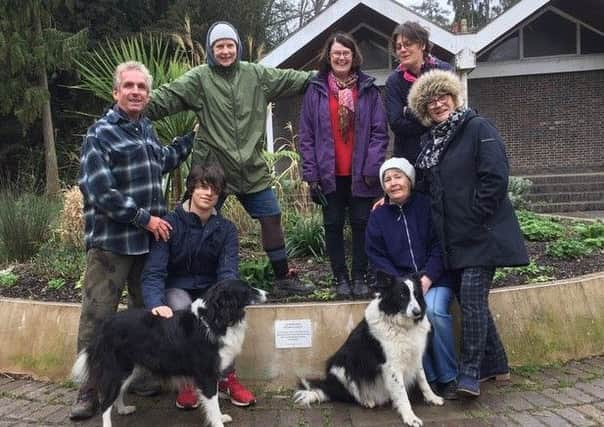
395, 383
212, 410
107, 417
429, 395
123, 409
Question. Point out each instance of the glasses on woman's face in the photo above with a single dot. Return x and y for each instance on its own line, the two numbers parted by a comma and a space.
404, 44
438, 100
341, 53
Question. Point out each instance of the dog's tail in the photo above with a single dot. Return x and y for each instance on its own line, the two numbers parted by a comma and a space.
80, 371
311, 391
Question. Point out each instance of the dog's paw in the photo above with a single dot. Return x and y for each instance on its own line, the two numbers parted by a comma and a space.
435, 400
226, 418
126, 410
368, 404
412, 420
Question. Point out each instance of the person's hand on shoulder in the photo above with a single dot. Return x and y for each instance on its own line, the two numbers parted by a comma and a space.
162, 311
160, 228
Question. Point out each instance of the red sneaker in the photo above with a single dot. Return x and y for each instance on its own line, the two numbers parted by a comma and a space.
231, 388
187, 397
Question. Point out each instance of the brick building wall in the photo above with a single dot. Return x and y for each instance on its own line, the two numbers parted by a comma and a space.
550, 122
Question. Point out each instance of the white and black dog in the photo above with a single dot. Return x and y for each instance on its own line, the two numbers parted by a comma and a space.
197, 344
382, 356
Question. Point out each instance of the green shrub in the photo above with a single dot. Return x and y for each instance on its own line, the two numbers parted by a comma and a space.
8, 279
594, 230
59, 260
568, 249
536, 228
257, 272
518, 189
533, 272
594, 243
24, 223
304, 235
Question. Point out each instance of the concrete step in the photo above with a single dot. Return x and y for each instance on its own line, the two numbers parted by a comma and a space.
561, 187
568, 196
568, 206
566, 178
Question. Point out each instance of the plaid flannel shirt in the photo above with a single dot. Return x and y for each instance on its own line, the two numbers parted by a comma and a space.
121, 168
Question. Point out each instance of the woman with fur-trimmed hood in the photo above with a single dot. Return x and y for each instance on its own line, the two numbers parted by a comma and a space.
465, 167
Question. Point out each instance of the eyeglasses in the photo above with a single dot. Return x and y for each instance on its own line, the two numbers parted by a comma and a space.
343, 54
405, 44
437, 100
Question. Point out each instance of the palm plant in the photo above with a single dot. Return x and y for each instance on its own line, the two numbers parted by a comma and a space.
165, 64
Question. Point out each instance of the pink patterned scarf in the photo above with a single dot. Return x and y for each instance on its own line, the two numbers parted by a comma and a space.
344, 94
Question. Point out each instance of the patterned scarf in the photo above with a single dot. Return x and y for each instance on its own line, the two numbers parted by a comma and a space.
429, 63
344, 94
441, 136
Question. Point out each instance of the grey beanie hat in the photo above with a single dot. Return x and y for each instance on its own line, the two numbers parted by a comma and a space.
401, 164
222, 30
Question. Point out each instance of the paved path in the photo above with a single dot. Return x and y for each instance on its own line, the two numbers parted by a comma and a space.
570, 395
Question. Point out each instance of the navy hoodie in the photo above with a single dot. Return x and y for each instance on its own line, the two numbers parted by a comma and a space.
196, 256
401, 240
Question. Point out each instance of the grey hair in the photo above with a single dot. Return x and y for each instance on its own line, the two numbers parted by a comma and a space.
131, 65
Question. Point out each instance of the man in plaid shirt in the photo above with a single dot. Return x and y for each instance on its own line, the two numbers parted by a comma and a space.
121, 168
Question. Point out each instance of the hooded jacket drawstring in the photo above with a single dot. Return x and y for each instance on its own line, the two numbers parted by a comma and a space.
402, 215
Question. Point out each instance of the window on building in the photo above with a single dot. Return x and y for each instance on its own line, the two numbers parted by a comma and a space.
591, 42
550, 34
506, 50
374, 48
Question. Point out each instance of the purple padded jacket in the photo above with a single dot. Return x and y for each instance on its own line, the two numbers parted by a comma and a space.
317, 144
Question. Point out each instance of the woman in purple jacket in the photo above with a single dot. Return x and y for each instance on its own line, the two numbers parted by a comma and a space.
343, 141
401, 240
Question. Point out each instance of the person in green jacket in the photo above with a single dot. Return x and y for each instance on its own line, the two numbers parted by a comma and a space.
230, 98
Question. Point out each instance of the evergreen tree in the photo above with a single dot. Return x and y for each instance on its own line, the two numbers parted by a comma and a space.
30, 49
432, 10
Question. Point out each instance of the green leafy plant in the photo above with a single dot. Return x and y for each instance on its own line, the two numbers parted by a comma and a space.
323, 294
568, 249
305, 236
57, 283
24, 223
8, 279
257, 272
593, 230
57, 259
518, 189
536, 228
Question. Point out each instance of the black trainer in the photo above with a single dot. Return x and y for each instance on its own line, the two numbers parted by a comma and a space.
86, 404
291, 285
342, 285
359, 287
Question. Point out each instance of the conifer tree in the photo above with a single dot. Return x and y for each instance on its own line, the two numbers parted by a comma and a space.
30, 49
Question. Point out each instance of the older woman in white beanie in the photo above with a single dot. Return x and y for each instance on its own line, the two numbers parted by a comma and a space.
401, 240
464, 164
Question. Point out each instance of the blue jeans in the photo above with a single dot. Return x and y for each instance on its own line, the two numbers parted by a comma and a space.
440, 362
258, 205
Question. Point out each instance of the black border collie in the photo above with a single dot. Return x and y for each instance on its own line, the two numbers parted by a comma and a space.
382, 356
197, 344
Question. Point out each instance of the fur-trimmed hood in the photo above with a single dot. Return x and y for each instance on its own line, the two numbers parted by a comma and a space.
432, 84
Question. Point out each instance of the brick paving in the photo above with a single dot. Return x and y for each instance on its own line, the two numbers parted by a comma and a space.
569, 395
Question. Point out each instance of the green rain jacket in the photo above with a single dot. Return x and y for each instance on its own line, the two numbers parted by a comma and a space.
230, 104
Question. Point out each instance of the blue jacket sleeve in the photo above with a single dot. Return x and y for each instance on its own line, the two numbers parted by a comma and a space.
434, 267
402, 122
492, 170
228, 263
375, 246
154, 274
